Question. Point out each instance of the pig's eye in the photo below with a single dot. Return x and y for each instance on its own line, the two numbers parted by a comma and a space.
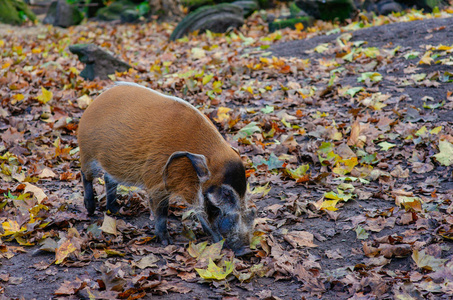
225, 225
228, 222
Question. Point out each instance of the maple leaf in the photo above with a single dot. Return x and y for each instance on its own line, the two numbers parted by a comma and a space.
202, 252
299, 174
66, 247
426, 58
261, 190
45, 96
222, 114
215, 272
371, 76
386, 146
445, 155
12, 228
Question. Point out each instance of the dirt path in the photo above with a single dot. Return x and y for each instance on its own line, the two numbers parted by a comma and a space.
366, 249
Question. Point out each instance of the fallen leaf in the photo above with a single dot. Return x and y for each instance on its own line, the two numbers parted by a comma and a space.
38, 192
109, 225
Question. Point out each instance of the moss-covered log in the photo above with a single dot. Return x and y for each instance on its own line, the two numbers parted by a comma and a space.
217, 18
15, 12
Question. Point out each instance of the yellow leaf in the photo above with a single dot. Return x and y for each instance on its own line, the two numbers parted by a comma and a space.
321, 48
109, 225
215, 272
11, 227
264, 60
196, 249
198, 53
112, 252
426, 59
436, 130
264, 190
442, 48
330, 204
84, 101
19, 97
202, 252
45, 96
421, 131
222, 114
249, 89
63, 251
207, 78
2, 43
299, 26
408, 203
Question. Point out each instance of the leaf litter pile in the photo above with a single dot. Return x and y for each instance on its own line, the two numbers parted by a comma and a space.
346, 134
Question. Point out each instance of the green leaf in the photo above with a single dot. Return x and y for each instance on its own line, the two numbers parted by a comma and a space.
445, 156
361, 233
298, 173
427, 262
247, 131
264, 190
372, 76
411, 55
207, 78
267, 110
386, 146
321, 48
354, 90
371, 52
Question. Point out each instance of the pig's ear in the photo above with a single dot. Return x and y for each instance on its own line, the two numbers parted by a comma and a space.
223, 198
198, 162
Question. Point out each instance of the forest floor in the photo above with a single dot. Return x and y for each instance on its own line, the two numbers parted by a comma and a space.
347, 138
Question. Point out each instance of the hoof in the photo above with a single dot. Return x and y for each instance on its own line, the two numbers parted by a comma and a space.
113, 208
165, 239
90, 206
242, 251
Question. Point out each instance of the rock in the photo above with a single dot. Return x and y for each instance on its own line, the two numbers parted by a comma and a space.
194, 4
291, 23
114, 10
427, 5
63, 14
15, 12
295, 11
95, 5
248, 6
99, 63
130, 16
217, 18
327, 9
387, 7
169, 10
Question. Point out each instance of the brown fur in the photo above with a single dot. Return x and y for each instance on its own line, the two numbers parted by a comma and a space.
131, 131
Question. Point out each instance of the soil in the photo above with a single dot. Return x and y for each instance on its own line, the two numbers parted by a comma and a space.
331, 232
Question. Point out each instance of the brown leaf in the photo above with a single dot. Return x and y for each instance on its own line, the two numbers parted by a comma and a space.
109, 225
70, 287
300, 239
38, 192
